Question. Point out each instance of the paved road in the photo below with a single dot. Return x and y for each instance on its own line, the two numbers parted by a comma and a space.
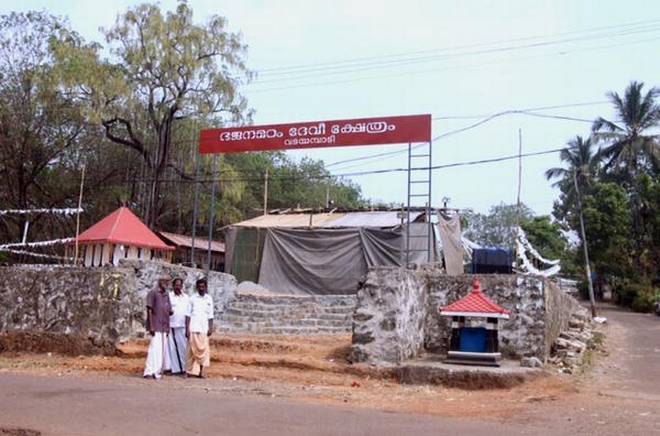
625, 398
635, 353
82, 406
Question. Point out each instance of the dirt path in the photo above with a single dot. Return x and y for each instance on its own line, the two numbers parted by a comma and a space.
621, 394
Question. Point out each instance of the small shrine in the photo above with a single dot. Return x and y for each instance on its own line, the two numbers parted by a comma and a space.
474, 343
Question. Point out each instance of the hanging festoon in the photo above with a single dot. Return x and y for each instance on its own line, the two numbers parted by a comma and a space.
523, 245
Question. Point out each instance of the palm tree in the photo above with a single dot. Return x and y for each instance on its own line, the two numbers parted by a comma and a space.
581, 158
630, 146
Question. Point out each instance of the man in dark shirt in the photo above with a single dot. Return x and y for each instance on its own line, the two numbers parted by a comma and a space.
159, 310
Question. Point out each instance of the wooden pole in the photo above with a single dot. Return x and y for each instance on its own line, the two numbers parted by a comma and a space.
327, 195
212, 213
266, 192
515, 232
80, 195
587, 268
195, 207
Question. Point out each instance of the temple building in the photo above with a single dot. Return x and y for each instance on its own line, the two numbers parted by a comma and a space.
120, 235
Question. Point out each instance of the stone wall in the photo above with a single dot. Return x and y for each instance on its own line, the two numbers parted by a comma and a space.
559, 308
539, 312
92, 303
388, 324
103, 304
267, 313
221, 286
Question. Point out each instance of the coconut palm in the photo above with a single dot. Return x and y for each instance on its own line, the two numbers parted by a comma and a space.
629, 143
581, 158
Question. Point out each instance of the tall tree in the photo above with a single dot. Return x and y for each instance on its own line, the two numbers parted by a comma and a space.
581, 159
161, 69
496, 229
607, 218
632, 148
630, 145
41, 131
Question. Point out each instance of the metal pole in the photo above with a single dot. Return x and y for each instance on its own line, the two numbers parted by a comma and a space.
266, 193
587, 268
428, 208
408, 210
212, 215
195, 207
515, 232
80, 194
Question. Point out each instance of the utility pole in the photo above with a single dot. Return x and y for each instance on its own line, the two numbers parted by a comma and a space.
519, 173
327, 196
587, 268
80, 194
212, 214
515, 232
195, 207
266, 192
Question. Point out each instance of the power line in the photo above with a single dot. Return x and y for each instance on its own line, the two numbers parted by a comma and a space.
362, 60
479, 123
353, 174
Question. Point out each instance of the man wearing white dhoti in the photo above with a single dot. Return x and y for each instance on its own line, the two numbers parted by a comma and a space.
178, 344
199, 326
158, 325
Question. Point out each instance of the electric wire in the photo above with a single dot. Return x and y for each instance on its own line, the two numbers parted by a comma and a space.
362, 60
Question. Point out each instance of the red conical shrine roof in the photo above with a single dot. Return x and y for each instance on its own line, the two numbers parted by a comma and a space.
122, 227
475, 304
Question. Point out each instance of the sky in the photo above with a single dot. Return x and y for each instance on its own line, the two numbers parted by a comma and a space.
324, 60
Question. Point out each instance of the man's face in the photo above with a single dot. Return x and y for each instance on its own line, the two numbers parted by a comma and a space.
162, 283
201, 288
178, 286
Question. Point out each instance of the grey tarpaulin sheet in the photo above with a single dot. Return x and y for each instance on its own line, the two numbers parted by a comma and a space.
330, 261
452, 248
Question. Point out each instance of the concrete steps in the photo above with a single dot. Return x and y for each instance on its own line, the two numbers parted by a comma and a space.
288, 314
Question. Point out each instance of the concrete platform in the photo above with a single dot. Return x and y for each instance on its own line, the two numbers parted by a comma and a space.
431, 369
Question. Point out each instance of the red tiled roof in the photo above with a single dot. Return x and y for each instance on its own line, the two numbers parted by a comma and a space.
123, 227
475, 302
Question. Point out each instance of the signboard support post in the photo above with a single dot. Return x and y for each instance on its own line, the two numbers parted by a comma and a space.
212, 215
195, 206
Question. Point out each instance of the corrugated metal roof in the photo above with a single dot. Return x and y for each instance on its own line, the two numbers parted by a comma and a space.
328, 220
186, 241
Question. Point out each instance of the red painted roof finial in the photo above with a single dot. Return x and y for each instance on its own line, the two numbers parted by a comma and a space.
476, 285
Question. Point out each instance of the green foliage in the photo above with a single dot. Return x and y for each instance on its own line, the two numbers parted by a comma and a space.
546, 236
496, 229
163, 70
607, 223
304, 184
630, 146
42, 134
621, 194
641, 297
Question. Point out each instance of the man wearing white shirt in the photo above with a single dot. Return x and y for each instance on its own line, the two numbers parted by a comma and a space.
177, 338
199, 326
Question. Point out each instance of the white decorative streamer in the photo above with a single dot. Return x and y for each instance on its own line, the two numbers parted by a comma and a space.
529, 268
522, 237
38, 243
60, 211
39, 255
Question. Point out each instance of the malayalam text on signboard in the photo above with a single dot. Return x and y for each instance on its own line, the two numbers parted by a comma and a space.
363, 131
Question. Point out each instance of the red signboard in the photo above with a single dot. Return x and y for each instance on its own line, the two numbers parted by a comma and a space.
363, 131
